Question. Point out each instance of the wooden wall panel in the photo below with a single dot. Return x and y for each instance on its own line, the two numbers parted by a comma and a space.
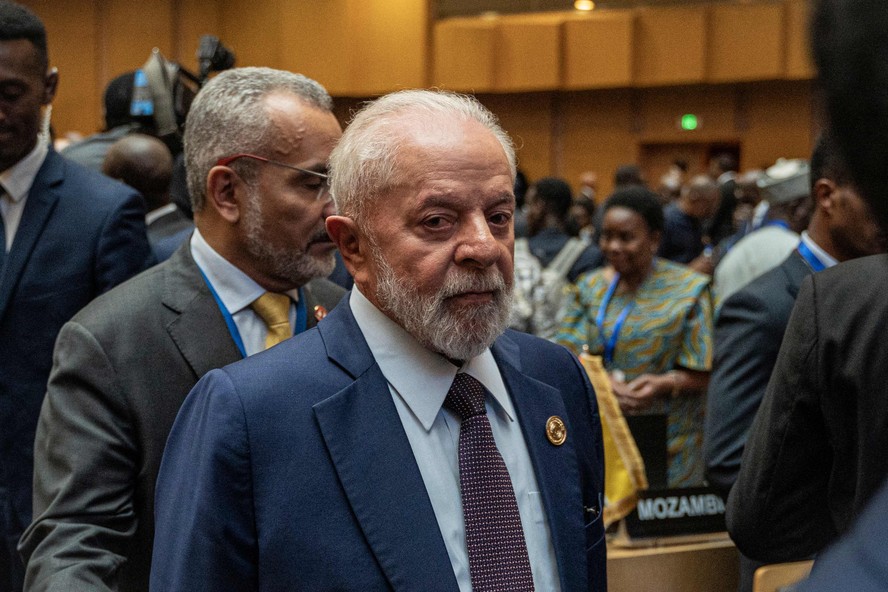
670, 46
528, 53
464, 51
746, 42
781, 122
661, 109
389, 39
597, 135
130, 30
253, 31
191, 20
72, 29
313, 42
798, 47
598, 50
528, 119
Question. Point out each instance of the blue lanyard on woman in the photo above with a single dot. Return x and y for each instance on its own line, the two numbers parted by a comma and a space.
808, 255
611, 344
301, 316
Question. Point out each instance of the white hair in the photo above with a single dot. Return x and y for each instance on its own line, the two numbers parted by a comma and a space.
228, 117
364, 163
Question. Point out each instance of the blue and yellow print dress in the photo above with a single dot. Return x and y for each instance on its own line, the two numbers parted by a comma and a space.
668, 326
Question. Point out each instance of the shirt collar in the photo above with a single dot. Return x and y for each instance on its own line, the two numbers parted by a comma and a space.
18, 178
153, 215
418, 375
824, 257
235, 288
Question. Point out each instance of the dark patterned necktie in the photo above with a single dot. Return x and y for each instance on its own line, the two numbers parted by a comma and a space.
498, 560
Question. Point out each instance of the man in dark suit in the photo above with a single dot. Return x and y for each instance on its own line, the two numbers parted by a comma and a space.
256, 145
145, 163
66, 235
814, 456
750, 326
330, 463
849, 38
548, 216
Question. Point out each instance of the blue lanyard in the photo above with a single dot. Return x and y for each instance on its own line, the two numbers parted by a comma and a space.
301, 316
809, 256
611, 344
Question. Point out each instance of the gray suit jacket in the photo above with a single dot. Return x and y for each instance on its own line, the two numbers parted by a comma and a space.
122, 368
748, 333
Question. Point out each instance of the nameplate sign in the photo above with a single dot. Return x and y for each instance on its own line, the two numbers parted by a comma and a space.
676, 512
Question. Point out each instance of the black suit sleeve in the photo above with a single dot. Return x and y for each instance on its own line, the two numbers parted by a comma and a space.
778, 508
84, 517
747, 339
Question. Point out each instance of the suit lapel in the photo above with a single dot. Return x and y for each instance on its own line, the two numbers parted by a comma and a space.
796, 270
199, 330
42, 200
376, 466
556, 468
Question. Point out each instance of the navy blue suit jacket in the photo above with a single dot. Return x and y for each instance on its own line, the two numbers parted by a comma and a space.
858, 561
80, 235
748, 333
291, 470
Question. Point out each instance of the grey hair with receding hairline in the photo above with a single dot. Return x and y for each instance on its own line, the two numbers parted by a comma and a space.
228, 117
363, 164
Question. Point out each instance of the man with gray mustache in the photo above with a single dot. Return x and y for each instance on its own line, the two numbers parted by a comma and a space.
256, 147
409, 442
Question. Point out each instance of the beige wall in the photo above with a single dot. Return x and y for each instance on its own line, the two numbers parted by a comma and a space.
576, 92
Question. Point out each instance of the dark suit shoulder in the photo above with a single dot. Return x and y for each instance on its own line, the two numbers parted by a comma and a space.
324, 292
862, 278
771, 295
85, 185
139, 300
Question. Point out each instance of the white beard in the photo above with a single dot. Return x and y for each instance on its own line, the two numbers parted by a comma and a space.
458, 333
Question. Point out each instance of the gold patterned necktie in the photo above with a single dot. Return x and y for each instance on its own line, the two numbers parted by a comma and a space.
274, 310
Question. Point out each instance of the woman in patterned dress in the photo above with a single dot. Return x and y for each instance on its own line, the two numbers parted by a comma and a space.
651, 321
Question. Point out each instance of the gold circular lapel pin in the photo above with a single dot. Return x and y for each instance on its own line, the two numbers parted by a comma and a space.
556, 431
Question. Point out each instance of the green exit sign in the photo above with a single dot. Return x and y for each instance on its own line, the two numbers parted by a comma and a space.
689, 122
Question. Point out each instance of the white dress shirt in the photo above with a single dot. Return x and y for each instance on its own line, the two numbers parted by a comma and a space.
419, 380
824, 257
17, 181
237, 291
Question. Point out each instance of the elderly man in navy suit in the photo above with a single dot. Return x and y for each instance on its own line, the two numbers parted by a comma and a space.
409, 442
67, 235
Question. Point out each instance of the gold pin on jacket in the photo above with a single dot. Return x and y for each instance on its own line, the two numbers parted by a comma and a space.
556, 431
320, 312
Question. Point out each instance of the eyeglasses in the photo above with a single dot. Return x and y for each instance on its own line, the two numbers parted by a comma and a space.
323, 188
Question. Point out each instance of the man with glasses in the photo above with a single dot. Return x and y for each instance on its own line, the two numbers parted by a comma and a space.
256, 147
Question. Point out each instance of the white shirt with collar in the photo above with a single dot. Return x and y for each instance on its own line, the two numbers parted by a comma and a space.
237, 291
824, 257
17, 181
418, 381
